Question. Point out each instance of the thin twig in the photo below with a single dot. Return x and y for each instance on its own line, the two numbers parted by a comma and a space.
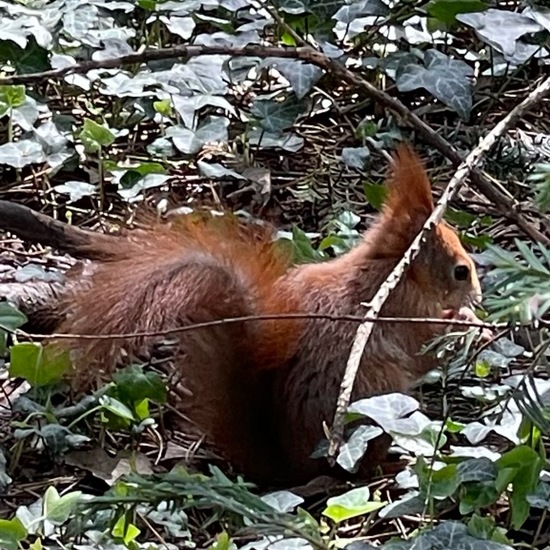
250, 319
364, 331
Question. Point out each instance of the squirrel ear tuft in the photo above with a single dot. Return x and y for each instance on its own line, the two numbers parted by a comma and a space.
407, 207
409, 187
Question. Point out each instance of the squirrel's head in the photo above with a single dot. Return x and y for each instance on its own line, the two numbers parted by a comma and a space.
443, 269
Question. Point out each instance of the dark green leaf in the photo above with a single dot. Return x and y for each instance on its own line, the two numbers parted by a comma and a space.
133, 384
449, 80
447, 10
376, 194
39, 365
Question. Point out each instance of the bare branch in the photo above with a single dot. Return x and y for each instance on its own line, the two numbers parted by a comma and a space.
38, 228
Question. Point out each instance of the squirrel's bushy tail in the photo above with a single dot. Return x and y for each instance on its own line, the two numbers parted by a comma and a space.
174, 276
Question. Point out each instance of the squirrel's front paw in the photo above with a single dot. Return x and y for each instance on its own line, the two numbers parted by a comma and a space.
468, 314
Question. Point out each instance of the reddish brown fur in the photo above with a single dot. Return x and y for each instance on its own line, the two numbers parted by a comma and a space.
262, 390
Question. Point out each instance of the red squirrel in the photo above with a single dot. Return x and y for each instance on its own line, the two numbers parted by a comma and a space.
260, 391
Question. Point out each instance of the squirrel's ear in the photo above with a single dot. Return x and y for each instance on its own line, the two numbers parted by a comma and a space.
408, 205
408, 185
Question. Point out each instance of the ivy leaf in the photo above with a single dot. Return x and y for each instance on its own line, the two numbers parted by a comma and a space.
10, 317
440, 483
269, 140
161, 147
356, 157
58, 509
125, 531
5, 479
476, 469
349, 13
58, 439
391, 411
39, 365
21, 153
95, 137
12, 532
447, 10
190, 142
276, 116
528, 466
163, 107
31, 58
294, 7
182, 26
11, 97
410, 504
76, 189
215, 170
449, 80
355, 447
133, 384
115, 407
301, 75
352, 504
541, 497
283, 501
501, 29
149, 181
453, 534
187, 106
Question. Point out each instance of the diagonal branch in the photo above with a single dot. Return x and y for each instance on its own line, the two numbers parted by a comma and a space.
365, 330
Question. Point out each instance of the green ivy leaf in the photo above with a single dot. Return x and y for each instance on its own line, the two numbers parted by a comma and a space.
376, 194
223, 542
12, 96
443, 483
115, 407
58, 509
163, 107
275, 115
350, 505
32, 59
10, 319
475, 496
447, 10
133, 385
527, 465
150, 5
125, 531
482, 369
95, 137
12, 532
447, 79
39, 365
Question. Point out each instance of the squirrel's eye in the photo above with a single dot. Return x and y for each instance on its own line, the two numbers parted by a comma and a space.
462, 272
